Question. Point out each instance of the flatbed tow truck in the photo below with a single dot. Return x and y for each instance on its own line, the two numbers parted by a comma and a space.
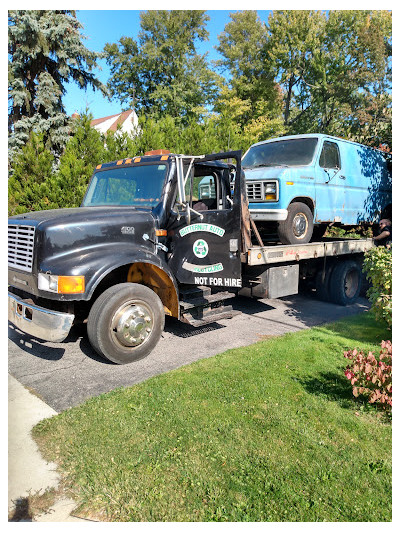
142, 246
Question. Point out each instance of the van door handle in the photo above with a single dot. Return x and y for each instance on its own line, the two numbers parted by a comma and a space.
342, 177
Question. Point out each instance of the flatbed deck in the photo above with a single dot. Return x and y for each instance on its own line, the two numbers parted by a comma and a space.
284, 253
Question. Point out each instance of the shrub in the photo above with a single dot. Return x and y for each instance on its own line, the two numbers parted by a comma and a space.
32, 185
370, 376
378, 268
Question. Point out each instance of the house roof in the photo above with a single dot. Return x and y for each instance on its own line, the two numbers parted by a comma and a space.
120, 118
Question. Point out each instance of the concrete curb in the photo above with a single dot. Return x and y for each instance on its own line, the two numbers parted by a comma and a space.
28, 472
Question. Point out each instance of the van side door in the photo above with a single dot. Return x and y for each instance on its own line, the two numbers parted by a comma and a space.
330, 184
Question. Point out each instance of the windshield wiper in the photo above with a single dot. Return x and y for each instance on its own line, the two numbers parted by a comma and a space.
269, 165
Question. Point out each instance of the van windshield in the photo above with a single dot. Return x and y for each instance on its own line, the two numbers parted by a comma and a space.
288, 153
136, 186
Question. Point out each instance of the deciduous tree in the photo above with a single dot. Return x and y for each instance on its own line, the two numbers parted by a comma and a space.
161, 72
242, 45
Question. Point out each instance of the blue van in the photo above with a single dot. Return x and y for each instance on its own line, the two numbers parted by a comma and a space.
302, 183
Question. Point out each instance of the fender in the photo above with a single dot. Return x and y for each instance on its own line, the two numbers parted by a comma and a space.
98, 261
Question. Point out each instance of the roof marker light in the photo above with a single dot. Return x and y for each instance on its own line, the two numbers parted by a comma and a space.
158, 152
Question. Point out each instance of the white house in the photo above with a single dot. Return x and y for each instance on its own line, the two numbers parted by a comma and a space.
128, 121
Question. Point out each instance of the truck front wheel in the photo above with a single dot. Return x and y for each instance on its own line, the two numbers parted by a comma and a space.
298, 226
125, 322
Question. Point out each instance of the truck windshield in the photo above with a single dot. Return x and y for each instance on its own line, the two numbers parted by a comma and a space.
290, 153
136, 186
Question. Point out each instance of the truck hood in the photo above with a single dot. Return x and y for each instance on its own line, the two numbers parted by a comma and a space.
78, 214
265, 172
61, 233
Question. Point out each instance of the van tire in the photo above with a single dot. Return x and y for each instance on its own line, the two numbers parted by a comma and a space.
298, 226
345, 282
125, 322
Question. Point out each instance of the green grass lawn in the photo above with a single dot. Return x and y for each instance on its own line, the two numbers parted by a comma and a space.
270, 432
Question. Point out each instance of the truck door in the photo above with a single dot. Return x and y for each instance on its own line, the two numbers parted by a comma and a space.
330, 186
205, 239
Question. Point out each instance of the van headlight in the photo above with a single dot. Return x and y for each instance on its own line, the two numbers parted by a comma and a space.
61, 284
270, 191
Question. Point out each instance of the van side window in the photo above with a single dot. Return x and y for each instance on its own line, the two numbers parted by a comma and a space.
329, 156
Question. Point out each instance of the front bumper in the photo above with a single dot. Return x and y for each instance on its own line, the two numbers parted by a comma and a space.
268, 214
43, 323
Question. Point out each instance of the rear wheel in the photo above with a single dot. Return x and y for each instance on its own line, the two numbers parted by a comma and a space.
125, 322
345, 283
298, 226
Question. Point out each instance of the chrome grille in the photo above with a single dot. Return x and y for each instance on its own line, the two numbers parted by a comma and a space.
20, 246
254, 191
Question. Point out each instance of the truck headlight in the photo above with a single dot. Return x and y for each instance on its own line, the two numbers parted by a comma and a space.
61, 284
270, 191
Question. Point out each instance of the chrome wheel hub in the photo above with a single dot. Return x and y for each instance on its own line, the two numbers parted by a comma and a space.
300, 225
132, 324
351, 284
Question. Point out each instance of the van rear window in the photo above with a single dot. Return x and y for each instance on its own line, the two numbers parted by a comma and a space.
289, 152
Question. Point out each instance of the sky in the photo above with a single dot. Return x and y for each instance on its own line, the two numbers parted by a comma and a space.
101, 27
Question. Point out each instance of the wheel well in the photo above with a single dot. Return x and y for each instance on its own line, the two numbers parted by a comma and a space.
158, 280
387, 212
146, 274
305, 200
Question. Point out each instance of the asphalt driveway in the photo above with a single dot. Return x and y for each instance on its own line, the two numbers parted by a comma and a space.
66, 374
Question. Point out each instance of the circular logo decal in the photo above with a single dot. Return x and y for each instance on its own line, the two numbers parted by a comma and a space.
200, 248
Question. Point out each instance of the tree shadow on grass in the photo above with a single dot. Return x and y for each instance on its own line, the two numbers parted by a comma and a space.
332, 386
336, 388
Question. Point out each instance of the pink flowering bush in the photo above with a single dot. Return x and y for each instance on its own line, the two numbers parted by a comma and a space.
371, 376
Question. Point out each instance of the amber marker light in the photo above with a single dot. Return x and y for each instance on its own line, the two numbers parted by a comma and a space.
71, 284
161, 232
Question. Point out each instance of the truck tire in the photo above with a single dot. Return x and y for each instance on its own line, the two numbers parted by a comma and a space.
125, 322
345, 282
298, 226
322, 283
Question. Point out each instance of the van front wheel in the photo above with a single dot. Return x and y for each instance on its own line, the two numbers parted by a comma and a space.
298, 226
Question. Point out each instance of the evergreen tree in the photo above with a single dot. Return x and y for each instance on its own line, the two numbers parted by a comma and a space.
45, 52
83, 152
162, 73
29, 187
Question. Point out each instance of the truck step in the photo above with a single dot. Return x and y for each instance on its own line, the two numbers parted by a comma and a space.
193, 291
198, 299
214, 315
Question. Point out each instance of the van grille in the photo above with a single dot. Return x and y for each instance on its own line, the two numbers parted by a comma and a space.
20, 246
254, 191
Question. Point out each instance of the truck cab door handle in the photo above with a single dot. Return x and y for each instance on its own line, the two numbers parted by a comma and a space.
342, 177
